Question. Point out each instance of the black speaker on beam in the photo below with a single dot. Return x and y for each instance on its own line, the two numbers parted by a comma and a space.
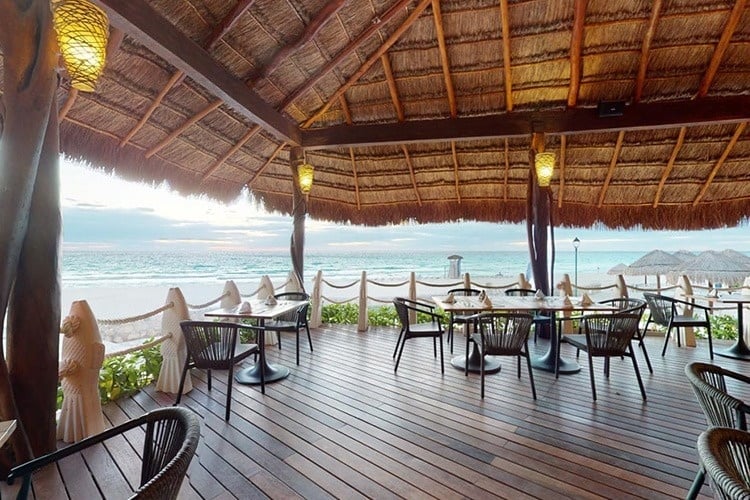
611, 108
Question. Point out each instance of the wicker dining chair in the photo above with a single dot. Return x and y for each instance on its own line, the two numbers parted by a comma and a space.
171, 437
725, 454
214, 345
411, 330
292, 321
635, 306
503, 334
721, 409
539, 319
664, 312
460, 319
607, 336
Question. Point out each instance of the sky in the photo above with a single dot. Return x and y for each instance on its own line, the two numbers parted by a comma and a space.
101, 211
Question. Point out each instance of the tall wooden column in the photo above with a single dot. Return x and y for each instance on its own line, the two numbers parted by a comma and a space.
538, 221
30, 232
299, 214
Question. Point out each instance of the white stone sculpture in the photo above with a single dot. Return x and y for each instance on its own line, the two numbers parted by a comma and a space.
230, 295
173, 349
82, 359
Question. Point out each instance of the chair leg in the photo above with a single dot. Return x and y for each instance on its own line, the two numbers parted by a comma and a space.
695, 488
591, 374
666, 341
309, 338
481, 370
400, 351
637, 371
531, 373
442, 363
466, 366
398, 342
229, 391
710, 342
434, 346
209, 379
645, 353
262, 349
185, 368
297, 346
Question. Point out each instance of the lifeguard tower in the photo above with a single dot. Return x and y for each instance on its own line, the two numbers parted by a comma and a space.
454, 270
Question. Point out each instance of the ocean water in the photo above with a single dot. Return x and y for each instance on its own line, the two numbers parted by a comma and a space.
120, 268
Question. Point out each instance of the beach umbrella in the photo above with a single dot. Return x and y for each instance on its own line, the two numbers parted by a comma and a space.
618, 269
684, 255
717, 267
738, 256
656, 262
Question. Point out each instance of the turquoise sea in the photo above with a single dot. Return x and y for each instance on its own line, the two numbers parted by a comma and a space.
118, 268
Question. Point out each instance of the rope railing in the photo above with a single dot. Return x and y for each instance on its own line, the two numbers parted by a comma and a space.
593, 288
644, 289
339, 287
440, 285
333, 301
133, 319
139, 347
391, 285
209, 303
495, 287
251, 294
379, 301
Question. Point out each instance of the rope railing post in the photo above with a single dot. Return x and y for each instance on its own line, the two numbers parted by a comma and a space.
315, 301
266, 290
566, 288
412, 295
523, 282
684, 292
362, 319
230, 295
292, 283
745, 312
467, 280
622, 288
173, 349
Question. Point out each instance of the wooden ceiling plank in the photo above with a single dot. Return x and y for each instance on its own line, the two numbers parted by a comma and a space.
670, 165
227, 23
310, 31
721, 47
576, 50
356, 178
507, 77
737, 133
376, 23
507, 171
445, 62
646, 50
643, 116
69, 101
563, 151
263, 167
411, 173
177, 76
410, 19
612, 165
140, 21
213, 168
392, 89
345, 109
455, 170
179, 130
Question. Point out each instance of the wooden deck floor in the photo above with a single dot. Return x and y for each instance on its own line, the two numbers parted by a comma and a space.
343, 425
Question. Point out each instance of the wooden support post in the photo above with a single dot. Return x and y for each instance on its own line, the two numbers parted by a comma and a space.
363, 320
299, 213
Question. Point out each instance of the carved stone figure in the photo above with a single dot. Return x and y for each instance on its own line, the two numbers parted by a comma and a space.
173, 349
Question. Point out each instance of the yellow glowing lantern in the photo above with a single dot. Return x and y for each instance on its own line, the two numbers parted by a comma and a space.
82, 29
305, 176
545, 166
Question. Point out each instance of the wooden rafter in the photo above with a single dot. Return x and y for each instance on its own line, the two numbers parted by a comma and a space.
376, 23
348, 120
507, 77
179, 130
410, 19
721, 47
263, 167
392, 89
646, 49
612, 165
312, 29
69, 101
218, 163
737, 133
507, 171
138, 19
670, 165
576, 50
455, 170
520, 124
411, 173
563, 151
437, 15
219, 31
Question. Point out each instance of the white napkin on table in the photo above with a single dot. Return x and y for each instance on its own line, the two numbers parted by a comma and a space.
271, 301
450, 299
586, 300
567, 304
245, 307
539, 295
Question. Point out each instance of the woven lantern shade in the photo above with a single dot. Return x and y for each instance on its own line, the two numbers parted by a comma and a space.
545, 167
82, 30
305, 176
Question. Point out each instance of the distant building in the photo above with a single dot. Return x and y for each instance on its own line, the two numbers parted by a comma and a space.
454, 271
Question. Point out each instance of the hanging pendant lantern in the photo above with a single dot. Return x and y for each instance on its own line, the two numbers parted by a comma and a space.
544, 164
82, 29
305, 174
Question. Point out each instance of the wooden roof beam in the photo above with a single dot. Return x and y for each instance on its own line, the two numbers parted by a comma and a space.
138, 19
455, 170
218, 163
721, 47
646, 50
561, 189
737, 133
507, 77
219, 31
263, 167
670, 165
507, 170
411, 173
411, 18
392, 87
576, 49
521, 124
612, 165
348, 119
445, 62
376, 23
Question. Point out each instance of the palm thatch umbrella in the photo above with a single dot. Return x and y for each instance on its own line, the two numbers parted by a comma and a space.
717, 267
684, 255
738, 256
618, 269
655, 262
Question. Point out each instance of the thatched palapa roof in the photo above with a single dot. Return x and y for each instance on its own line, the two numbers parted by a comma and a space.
423, 110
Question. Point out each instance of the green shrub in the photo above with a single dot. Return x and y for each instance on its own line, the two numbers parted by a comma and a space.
344, 314
385, 315
723, 327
